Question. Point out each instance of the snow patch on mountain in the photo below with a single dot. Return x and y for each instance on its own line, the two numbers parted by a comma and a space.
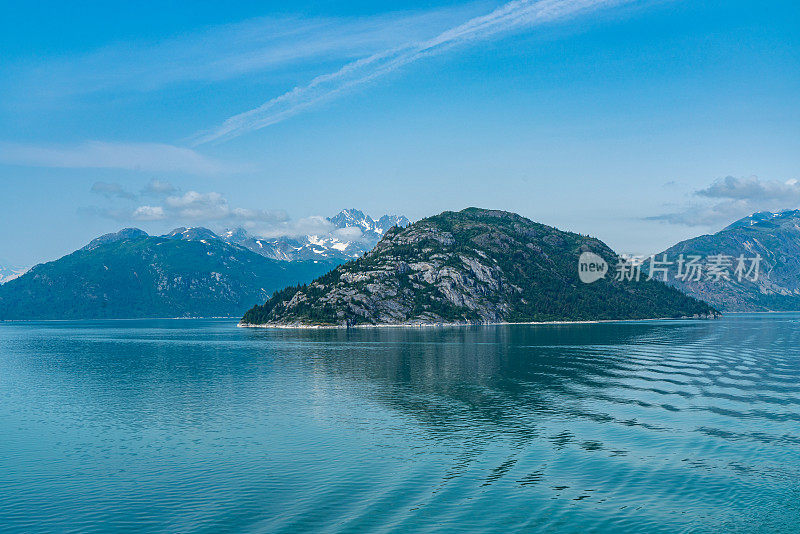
350, 234
10, 273
353, 233
764, 216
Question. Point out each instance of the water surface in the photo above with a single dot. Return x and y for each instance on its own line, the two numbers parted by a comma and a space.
199, 426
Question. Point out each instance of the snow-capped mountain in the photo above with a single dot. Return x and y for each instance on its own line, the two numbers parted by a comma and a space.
352, 234
388, 221
293, 248
761, 217
353, 218
9, 273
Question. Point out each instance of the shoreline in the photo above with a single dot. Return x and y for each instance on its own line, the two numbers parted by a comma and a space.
408, 325
117, 319
461, 325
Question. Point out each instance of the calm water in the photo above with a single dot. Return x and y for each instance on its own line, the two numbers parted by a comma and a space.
192, 425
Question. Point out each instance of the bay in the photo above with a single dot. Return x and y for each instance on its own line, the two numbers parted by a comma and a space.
200, 426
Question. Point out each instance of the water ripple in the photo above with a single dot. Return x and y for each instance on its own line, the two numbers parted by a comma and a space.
180, 426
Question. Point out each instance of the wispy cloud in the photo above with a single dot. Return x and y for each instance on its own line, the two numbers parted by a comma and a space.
128, 156
313, 225
194, 206
696, 214
731, 198
160, 201
154, 189
509, 17
112, 190
158, 188
223, 52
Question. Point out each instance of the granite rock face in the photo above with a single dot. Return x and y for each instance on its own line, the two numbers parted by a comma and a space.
473, 266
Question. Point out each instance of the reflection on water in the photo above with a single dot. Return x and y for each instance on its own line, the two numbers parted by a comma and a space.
200, 426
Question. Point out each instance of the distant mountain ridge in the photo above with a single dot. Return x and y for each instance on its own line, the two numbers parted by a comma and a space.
471, 267
775, 237
762, 217
197, 233
353, 218
129, 274
115, 237
185, 272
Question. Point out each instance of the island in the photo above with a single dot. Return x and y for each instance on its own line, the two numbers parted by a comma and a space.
474, 266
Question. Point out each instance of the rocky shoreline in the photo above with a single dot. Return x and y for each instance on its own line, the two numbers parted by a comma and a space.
300, 326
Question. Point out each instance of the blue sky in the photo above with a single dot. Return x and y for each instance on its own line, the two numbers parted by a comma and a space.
641, 123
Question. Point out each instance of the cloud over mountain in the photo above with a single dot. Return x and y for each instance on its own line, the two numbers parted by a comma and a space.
752, 189
731, 198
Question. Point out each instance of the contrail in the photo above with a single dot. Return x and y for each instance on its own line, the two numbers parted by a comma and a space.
511, 16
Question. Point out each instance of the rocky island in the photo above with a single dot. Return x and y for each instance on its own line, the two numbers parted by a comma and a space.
475, 266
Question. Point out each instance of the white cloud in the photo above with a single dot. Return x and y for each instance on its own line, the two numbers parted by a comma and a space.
706, 214
149, 213
114, 190
195, 207
511, 16
350, 233
753, 189
111, 190
157, 188
161, 201
199, 206
728, 199
212, 209
154, 157
314, 225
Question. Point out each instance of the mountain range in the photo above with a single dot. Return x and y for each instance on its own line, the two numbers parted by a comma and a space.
774, 284
470, 266
473, 266
352, 233
186, 272
130, 274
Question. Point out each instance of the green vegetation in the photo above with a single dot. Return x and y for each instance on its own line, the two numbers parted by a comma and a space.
145, 276
469, 267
